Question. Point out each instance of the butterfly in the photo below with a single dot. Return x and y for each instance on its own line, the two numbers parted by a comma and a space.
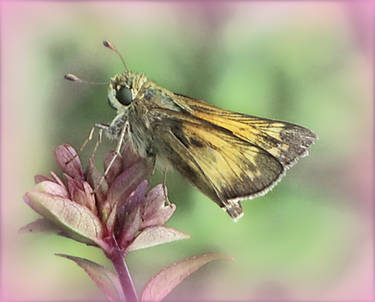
228, 156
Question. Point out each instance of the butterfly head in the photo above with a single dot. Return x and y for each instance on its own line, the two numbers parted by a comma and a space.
123, 89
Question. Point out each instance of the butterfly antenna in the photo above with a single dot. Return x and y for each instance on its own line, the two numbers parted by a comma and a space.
109, 45
74, 78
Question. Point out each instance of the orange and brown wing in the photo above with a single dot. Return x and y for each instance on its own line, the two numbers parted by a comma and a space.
229, 156
222, 166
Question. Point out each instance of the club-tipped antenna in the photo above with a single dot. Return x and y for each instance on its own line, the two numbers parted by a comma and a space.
109, 45
74, 78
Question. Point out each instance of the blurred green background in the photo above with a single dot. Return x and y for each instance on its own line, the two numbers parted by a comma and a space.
307, 63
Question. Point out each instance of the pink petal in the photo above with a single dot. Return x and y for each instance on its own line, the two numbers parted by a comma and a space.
57, 179
94, 177
76, 220
154, 236
81, 193
68, 161
136, 198
167, 279
155, 200
106, 280
39, 178
73, 186
126, 217
129, 229
52, 188
129, 157
110, 217
127, 182
90, 197
160, 217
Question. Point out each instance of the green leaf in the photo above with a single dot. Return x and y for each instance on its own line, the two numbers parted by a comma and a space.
168, 278
77, 221
106, 280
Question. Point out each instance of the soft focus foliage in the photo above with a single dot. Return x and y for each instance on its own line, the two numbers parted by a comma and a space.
305, 62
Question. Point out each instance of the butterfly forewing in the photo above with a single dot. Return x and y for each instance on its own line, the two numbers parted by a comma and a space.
285, 141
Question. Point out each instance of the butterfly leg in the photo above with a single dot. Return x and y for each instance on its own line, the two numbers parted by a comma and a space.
98, 141
165, 187
88, 138
117, 151
101, 128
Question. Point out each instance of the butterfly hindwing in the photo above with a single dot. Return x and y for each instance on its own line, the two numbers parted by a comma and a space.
224, 167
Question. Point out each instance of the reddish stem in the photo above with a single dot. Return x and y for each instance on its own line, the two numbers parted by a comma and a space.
127, 284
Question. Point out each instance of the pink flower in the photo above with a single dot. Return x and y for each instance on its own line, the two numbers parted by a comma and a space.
117, 214
107, 212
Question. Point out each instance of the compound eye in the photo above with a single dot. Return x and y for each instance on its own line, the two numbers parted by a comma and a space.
124, 95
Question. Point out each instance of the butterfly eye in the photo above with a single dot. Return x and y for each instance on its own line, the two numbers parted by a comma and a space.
124, 95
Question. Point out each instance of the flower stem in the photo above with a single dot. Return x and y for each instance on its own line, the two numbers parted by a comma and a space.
127, 284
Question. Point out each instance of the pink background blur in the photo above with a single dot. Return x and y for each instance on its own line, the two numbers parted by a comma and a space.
32, 83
